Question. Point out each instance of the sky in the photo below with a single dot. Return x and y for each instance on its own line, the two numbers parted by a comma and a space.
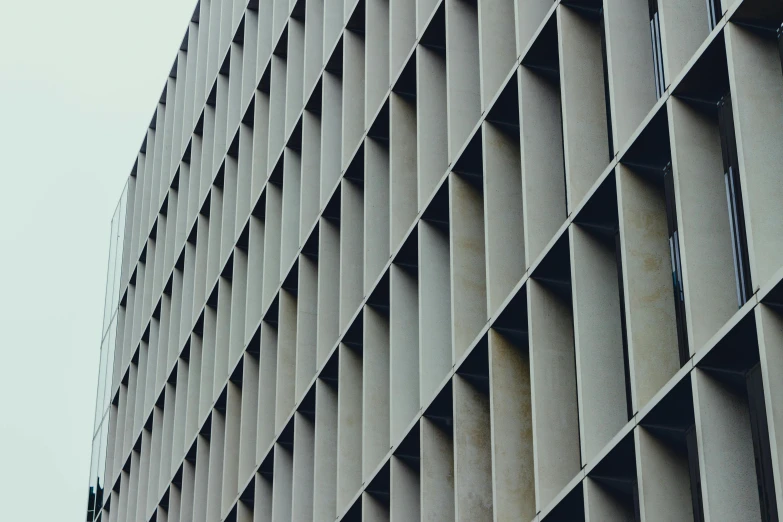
78, 85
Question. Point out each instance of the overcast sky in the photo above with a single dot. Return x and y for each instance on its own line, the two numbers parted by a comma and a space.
78, 85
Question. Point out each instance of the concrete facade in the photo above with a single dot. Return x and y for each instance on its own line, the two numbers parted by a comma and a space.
451, 260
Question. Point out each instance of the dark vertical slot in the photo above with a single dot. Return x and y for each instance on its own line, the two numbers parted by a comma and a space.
90, 499
713, 13
693, 470
780, 44
739, 244
674, 249
562, 140
761, 448
626, 366
657, 50
606, 88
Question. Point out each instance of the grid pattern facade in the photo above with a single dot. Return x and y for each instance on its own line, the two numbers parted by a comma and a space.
402, 260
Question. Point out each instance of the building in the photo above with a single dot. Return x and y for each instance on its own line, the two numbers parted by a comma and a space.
452, 260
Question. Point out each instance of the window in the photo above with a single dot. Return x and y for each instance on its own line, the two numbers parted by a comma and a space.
734, 200
713, 13
657, 50
761, 448
674, 250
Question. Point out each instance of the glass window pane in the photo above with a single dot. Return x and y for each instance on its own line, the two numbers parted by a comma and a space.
101, 382
111, 348
101, 467
96, 449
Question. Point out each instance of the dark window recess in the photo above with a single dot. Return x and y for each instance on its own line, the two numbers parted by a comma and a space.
606, 88
626, 366
616, 474
693, 470
714, 13
674, 251
657, 49
98, 496
761, 448
739, 243
90, 503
